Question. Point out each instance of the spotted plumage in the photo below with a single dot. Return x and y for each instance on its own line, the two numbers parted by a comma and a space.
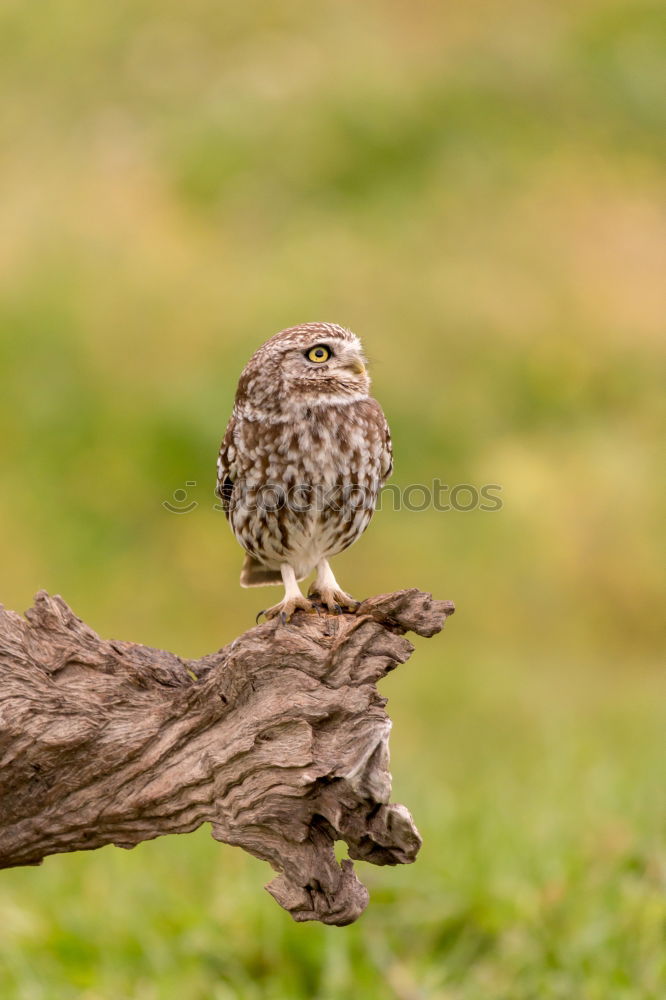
304, 455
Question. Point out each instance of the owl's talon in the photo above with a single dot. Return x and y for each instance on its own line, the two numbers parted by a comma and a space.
284, 611
259, 616
335, 601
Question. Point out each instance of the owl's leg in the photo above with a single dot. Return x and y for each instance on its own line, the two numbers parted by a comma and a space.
327, 589
293, 598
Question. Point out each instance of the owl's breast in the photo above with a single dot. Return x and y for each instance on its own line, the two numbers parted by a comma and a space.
305, 489
318, 446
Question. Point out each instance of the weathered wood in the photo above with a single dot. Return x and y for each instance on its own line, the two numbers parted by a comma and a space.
279, 741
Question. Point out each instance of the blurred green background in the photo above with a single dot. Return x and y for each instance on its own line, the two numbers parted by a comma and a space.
477, 189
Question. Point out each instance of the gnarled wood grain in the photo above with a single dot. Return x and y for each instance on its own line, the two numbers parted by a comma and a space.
279, 741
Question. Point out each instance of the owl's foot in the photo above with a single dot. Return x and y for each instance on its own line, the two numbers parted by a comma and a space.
327, 591
286, 608
293, 599
333, 598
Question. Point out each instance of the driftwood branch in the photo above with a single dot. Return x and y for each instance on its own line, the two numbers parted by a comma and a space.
279, 741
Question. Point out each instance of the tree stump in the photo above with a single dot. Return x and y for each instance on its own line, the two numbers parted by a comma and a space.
279, 741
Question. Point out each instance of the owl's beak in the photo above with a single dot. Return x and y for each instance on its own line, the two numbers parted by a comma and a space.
356, 365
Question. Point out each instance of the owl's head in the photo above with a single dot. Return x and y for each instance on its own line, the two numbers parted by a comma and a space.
309, 363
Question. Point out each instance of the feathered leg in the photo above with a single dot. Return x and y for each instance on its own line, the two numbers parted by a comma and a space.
293, 598
326, 588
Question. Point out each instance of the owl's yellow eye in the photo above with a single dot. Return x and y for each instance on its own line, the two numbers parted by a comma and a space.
319, 354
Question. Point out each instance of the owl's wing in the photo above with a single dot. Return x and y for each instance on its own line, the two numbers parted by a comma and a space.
226, 468
386, 465
378, 429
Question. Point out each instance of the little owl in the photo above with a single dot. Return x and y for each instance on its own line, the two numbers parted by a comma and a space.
303, 458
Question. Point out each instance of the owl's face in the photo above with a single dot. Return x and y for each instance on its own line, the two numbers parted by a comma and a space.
317, 363
305, 364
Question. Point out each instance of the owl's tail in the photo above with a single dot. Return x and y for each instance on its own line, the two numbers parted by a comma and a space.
254, 574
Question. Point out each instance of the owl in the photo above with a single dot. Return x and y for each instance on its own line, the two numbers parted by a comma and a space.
303, 458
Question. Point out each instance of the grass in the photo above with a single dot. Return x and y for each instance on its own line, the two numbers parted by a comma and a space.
476, 190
